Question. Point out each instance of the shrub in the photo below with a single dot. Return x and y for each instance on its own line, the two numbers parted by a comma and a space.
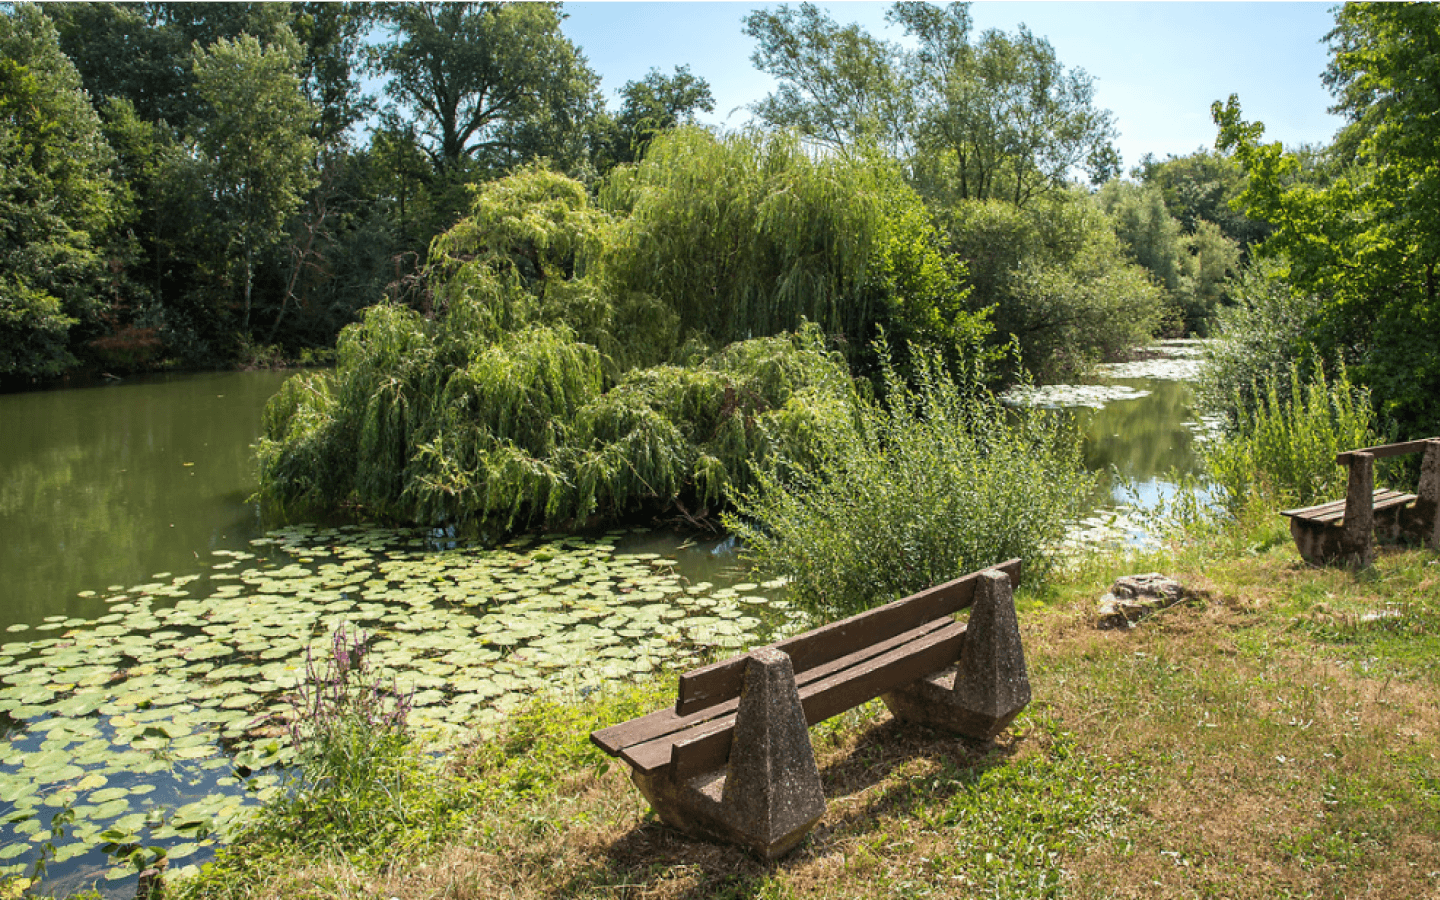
423, 423
1262, 337
1058, 278
1282, 451
935, 480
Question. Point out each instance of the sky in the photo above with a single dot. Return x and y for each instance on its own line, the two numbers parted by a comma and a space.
1157, 65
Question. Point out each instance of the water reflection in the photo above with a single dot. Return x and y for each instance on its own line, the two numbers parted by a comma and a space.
109, 485
1145, 440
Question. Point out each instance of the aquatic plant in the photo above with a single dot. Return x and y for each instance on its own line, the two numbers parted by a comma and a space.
161, 723
342, 693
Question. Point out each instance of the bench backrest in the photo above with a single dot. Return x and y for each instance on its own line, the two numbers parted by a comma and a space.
720, 682
1382, 451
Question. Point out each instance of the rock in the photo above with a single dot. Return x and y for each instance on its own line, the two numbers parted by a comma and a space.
1132, 597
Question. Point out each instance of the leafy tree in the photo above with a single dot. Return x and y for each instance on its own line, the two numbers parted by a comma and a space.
1193, 268
1058, 279
59, 205
751, 235
255, 145
657, 103
838, 85
485, 82
1369, 241
998, 117
331, 35
144, 52
1001, 117
1203, 187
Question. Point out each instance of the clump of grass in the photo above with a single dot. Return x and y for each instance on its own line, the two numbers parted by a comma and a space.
935, 480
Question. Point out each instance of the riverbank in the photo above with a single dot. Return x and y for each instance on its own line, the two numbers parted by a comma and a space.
1276, 738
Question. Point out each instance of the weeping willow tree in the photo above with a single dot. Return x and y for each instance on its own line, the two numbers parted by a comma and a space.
752, 234
582, 363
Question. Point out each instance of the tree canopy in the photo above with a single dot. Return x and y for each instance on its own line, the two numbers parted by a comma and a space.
59, 206
998, 117
1367, 242
483, 79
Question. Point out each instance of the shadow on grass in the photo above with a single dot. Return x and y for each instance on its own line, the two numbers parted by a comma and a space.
653, 859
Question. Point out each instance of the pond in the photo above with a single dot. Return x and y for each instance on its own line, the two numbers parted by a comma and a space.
1141, 429
151, 627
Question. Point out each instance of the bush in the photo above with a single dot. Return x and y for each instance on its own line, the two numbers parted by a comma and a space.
934, 481
424, 422
1262, 338
1059, 280
1283, 451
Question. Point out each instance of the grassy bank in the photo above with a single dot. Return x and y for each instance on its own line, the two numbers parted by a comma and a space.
1276, 739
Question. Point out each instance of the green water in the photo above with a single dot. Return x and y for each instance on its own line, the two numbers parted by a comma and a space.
110, 485
1145, 440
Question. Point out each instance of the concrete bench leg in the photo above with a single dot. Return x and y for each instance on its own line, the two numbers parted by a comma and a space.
984, 693
1427, 503
769, 795
1357, 541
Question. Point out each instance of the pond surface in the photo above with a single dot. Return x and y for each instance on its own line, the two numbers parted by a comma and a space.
151, 627
1141, 430
110, 484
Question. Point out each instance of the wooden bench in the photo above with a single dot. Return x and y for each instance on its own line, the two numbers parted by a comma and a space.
732, 760
1345, 530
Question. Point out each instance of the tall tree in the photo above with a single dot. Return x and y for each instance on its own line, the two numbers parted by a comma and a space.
59, 205
256, 146
993, 118
838, 84
332, 35
657, 103
1369, 241
483, 79
1001, 116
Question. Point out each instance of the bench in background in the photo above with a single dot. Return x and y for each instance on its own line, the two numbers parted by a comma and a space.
1344, 530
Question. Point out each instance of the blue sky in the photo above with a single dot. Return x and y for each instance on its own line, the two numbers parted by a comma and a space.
1157, 65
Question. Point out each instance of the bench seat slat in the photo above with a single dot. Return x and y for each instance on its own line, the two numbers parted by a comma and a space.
721, 681
659, 724
707, 747
1334, 511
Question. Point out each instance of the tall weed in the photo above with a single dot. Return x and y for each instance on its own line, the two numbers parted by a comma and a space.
933, 481
366, 785
1282, 450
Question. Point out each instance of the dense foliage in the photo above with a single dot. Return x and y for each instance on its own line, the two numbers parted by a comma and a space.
1367, 241
60, 209
751, 235
1056, 278
996, 117
1282, 451
931, 482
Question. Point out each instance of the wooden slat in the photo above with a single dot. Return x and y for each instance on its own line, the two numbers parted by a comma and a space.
719, 682
708, 746
1383, 498
667, 722
1383, 451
